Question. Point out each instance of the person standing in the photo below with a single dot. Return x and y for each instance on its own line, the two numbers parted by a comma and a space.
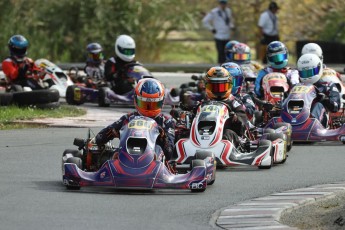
220, 21
269, 31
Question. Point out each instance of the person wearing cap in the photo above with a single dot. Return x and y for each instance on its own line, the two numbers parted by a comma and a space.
220, 22
269, 30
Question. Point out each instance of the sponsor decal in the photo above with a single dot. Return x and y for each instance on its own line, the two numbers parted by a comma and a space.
199, 185
103, 174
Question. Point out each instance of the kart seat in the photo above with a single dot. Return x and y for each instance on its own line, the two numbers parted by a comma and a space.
136, 145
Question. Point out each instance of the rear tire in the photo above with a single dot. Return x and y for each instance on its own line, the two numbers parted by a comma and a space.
70, 99
36, 97
101, 97
6, 99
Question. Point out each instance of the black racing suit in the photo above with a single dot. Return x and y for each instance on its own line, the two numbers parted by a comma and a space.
164, 121
114, 73
330, 103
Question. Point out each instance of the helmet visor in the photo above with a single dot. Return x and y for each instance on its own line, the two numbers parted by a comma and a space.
241, 57
20, 52
96, 56
147, 104
126, 51
219, 87
276, 58
237, 81
309, 72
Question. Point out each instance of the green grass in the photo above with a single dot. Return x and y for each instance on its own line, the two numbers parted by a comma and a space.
10, 115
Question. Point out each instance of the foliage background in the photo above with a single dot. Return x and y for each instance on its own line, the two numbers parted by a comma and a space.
164, 30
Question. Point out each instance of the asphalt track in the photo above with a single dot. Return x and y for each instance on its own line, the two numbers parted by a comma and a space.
33, 197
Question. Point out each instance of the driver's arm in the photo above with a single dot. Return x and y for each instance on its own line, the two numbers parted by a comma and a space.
110, 132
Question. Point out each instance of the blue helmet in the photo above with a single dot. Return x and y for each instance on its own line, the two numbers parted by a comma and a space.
277, 55
237, 76
94, 53
18, 45
228, 49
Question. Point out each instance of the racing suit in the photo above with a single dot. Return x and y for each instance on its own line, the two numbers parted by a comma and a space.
291, 75
17, 72
114, 73
331, 101
96, 72
166, 140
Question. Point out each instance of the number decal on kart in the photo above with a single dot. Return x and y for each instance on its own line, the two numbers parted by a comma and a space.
210, 109
301, 89
139, 124
77, 94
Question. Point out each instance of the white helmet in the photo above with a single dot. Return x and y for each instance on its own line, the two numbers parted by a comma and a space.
125, 48
312, 48
310, 68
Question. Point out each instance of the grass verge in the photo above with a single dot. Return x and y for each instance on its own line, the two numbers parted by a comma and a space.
11, 115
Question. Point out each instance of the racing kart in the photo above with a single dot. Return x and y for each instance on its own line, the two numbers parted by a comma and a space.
138, 163
263, 149
296, 110
53, 77
275, 88
103, 94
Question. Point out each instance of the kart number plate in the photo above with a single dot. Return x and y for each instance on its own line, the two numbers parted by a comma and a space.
77, 94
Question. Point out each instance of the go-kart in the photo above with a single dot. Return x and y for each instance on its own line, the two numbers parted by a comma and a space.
103, 94
138, 163
262, 149
275, 88
296, 110
53, 77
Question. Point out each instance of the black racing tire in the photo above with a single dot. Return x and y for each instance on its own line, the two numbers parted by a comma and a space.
289, 140
16, 88
258, 118
6, 99
70, 97
101, 97
74, 152
36, 97
266, 142
51, 105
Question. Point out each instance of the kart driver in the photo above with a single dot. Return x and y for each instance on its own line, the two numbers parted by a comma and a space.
115, 66
277, 58
148, 101
17, 67
94, 63
237, 84
218, 82
310, 69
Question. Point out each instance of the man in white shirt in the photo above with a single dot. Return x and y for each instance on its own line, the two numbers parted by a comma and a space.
220, 21
268, 24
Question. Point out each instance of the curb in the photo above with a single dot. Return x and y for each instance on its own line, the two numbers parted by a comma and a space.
265, 212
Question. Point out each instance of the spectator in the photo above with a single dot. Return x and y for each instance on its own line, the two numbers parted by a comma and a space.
220, 21
269, 30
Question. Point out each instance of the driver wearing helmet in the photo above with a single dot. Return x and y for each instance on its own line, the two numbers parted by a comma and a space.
277, 59
310, 69
218, 83
313, 48
237, 84
115, 66
148, 101
94, 63
228, 49
17, 66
